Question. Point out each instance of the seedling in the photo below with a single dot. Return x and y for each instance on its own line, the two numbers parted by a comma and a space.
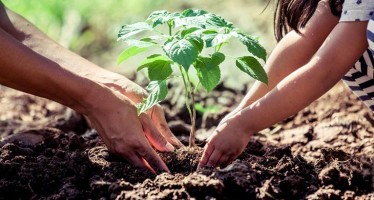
188, 38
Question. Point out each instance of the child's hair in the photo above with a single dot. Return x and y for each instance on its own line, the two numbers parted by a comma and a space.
294, 14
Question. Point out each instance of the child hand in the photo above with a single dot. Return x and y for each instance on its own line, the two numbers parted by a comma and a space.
225, 144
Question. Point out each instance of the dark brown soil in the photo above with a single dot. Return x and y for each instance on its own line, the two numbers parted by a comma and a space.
325, 151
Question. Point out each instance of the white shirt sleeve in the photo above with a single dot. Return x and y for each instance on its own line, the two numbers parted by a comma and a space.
357, 10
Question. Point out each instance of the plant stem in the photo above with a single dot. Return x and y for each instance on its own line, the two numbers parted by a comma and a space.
189, 91
219, 47
170, 30
193, 115
193, 120
197, 87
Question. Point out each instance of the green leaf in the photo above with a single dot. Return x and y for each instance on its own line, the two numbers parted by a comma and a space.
182, 52
195, 21
161, 17
208, 70
129, 52
151, 59
197, 41
159, 70
252, 67
253, 46
220, 38
193, 12
218, 58
188, 31
158, 17
155, 38
127, 31
208, 109
216, 39
139, 43
218, 21
159, 67
157, 92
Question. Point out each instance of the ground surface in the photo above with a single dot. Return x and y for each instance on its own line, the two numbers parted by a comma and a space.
325, 151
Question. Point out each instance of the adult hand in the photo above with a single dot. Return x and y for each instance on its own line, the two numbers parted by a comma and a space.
106, 98
125, 133
225, 144
136, 94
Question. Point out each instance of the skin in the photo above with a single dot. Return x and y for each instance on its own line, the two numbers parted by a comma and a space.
32, 62
301, 69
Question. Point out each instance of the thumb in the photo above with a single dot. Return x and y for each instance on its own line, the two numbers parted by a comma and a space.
153, 135
158, 117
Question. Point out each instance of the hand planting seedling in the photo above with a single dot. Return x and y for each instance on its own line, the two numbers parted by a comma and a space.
189, 33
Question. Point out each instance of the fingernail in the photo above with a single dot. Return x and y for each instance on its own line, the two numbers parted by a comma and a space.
177, 142
169, 147
160, 171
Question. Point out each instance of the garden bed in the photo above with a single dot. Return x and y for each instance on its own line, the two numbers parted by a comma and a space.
326, 151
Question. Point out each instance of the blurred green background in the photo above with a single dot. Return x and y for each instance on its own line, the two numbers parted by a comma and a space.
90, 27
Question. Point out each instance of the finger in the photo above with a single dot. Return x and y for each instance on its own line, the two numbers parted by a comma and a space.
223, 161
157, 115
230, 160
170, 136
214, 158
154, 160
154, 136
208, 150
138, 161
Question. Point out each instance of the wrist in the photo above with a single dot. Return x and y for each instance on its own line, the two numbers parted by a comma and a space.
243, 125
121, 84
81, 94
92, 97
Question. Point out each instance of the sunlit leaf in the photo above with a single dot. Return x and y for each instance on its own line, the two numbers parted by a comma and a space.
215, 39
188, 31
193, 12
252, 67
197, 41
208, 109
129, 52
139, 43
199, 21
253, 46
208, 70
218, 21
182, 52
127, 31
159, 17
159, 67
157, 92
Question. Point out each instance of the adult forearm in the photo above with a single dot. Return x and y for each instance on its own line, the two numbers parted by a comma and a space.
25, 32
30, 36
23, 69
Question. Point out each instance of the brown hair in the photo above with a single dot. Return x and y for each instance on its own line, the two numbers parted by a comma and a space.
294, 14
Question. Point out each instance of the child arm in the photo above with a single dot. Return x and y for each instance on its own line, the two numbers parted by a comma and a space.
294, 51
341, 49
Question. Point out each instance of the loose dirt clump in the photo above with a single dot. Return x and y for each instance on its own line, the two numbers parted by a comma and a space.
323, 152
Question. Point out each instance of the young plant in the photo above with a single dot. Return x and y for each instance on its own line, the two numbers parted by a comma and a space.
187, 35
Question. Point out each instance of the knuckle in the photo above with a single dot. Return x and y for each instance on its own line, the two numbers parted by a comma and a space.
209, 146
138, 146
211, 163
164, 128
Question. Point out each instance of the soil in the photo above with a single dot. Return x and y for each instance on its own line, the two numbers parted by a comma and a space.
325, 151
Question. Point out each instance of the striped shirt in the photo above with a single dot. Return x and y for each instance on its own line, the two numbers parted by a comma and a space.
360, 78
